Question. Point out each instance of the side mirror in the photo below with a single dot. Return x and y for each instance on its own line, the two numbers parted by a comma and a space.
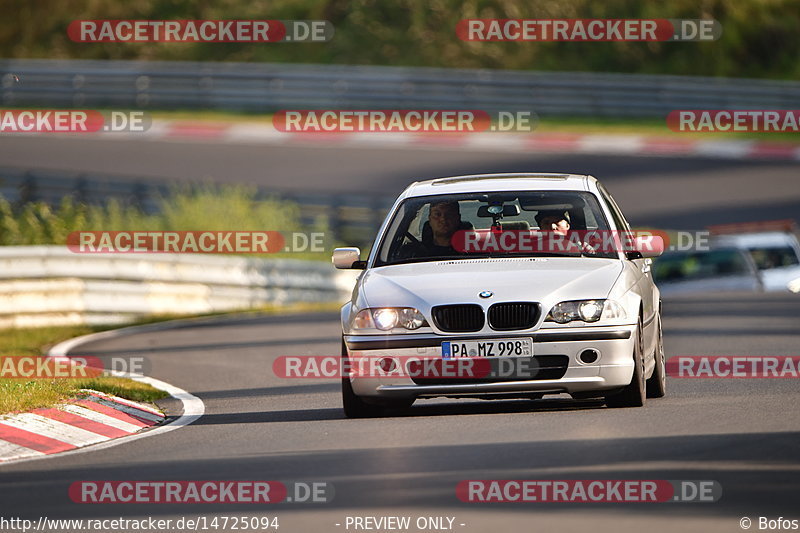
348, 258
794, 285
644, 246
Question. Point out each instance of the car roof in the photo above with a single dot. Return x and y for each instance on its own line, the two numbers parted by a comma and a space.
757, 240
500, 182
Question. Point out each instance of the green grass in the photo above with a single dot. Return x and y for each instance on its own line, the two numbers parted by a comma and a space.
24, 394
18, 395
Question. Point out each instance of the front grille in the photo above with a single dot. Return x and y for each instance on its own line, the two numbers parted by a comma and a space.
489, 370
461, 318
513, 315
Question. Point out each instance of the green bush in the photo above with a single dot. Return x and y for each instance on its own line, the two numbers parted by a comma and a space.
206, 208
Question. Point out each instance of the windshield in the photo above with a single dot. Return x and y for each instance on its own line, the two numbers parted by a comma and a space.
685, 266
776, 257
506, 224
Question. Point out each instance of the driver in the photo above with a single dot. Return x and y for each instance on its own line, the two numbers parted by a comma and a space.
444, 219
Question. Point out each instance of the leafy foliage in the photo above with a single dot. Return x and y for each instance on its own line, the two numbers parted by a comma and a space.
760, 37
205, 208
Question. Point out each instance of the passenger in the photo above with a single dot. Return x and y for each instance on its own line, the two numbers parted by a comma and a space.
558, 223
555, 222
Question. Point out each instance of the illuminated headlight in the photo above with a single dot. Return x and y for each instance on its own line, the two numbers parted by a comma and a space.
388, 318
385, 319
585, 310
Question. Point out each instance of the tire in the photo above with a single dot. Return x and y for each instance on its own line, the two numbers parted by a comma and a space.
397, 403
634, 394
657, 384
354, 406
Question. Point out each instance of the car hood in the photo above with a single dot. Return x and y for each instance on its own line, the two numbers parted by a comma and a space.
546, 280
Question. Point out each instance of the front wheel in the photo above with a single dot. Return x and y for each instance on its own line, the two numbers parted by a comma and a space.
657, 384
634, 394
354, 406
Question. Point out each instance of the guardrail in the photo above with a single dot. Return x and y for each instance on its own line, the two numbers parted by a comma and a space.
50, 285
266, 87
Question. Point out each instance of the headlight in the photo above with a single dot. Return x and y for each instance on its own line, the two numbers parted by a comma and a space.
585, 310
385, 318
410, 318
388, 318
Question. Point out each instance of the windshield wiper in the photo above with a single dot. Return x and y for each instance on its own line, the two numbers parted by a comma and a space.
425, 259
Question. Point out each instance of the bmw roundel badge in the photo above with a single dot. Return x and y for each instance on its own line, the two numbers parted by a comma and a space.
486, 294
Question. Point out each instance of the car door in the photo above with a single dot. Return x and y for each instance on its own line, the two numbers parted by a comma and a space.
644, 285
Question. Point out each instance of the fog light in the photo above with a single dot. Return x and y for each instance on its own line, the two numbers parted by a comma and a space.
387, 364
589, 356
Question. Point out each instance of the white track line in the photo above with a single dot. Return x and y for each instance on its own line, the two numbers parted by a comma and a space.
193, 407
138, 413
129, 403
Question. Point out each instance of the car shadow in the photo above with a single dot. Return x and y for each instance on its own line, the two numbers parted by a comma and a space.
419, 409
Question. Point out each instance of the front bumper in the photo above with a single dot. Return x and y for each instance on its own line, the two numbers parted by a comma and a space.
612, 370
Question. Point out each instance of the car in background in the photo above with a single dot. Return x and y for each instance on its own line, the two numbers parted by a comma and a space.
776, 255
718, 269
583, 321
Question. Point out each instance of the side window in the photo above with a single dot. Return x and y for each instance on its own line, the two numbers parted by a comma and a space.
396, 232
589, 217
616, 214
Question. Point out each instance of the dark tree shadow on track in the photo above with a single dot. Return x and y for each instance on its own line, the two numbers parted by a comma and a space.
419, 409
758, 473
270, 391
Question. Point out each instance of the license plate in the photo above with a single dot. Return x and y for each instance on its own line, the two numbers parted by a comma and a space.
519, 347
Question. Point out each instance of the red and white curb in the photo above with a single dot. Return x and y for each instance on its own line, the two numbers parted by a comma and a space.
245, 133
92, 418
94, 421
536, 142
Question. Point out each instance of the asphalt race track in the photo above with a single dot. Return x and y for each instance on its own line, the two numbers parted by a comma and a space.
742, 433
675, 193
